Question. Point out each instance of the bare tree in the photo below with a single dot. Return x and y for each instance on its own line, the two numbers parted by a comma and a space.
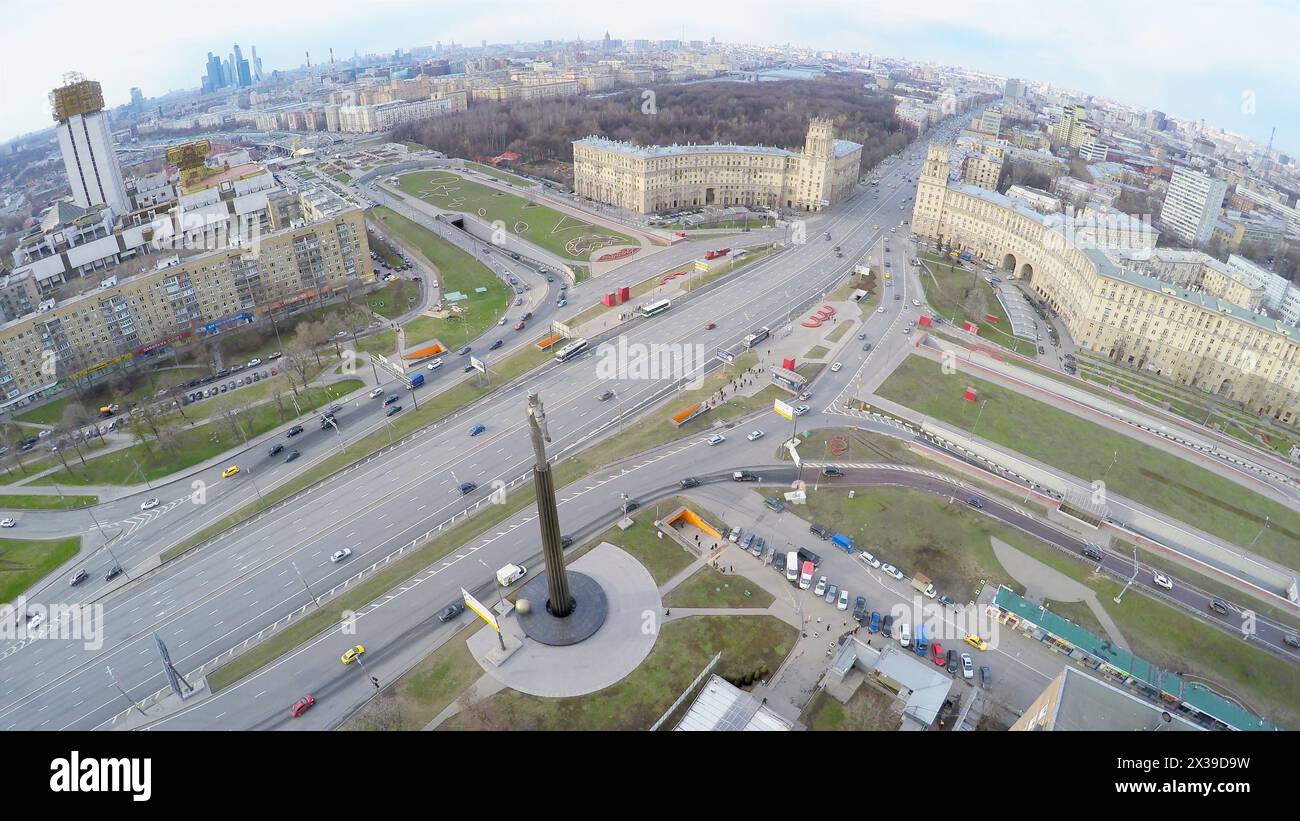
311, 335
71, 425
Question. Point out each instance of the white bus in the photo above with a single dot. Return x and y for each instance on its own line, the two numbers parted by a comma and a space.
571, 350
653, 308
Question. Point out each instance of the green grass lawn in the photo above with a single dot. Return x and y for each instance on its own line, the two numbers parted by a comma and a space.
393, 300
664, 558
1164, 482
342, 177
24, 501
457, 272
131, 465
960, 296
817, 351
707, 587
683, 648
24, 562
563, 235
867, 710
851, 445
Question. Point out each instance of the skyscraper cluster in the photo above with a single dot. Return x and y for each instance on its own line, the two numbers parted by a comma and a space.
235, 71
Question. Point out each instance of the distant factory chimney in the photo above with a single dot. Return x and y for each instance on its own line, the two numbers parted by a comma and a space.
331, 57
309, 59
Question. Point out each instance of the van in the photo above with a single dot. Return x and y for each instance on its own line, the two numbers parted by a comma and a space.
805, 576
510, 574
792, 566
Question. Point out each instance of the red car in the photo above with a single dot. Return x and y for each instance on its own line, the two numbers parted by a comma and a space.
710, 326
938, 653
302, 705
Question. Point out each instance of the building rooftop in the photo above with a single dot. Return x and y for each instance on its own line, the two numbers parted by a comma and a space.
652, 151
1087, 703
723, 706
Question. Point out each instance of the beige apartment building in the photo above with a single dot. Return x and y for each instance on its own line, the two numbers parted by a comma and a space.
1113, 306
654, 179
184, 295
538, 90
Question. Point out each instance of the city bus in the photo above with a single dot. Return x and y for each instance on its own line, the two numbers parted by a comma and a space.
750, 340
571, 350
653, 308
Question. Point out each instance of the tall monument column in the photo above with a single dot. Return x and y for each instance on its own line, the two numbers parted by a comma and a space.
575, 605
559, 603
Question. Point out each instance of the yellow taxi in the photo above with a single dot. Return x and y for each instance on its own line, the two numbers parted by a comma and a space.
230, 471
977, 642
352, 654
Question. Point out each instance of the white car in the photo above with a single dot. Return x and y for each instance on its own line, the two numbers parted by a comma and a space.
881, 309
820, 589
717, 439
843, 603
43, 434
967, 666
1161, 580
340, 555
868, 559
253, 363
890, 570
434, 365
754, 435
7, 522
805, 396
916, 303
376, 392
149, 504
905, 635
801, 410
501, 321
35, 621
836, 367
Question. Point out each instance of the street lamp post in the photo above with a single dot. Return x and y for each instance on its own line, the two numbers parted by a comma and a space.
1132, 578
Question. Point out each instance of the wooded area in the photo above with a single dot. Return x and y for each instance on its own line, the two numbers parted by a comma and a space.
766, 113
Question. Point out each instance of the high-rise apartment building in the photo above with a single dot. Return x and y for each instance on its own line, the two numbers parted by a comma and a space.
1012, 89
1192, 205
1073, 129
86, 143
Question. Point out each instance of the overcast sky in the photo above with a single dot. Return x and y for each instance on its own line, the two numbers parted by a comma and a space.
1234, 63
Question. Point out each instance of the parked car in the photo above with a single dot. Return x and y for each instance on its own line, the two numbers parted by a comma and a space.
820, 589
843, 602
869, 560
887, 626
859, 608
986, 677
820, 531
937, 649
952, 662
890, 570
976, 641
967, 666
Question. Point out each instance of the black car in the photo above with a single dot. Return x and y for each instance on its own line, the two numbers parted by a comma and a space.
450, 612
859, 608
690, 481
1218, 606
294, 431
514, 256
606, 396
527, 316
778, 561
276, 448
393, 410
1092, 553
630, 505
463, 351
550, 278
293, 454
466, 488
887, 626
391, 398
832, 472
565, 541
467, 369
986, 677
806, 555
952, 661
113, 572
821, 532
866, 347
975, 503
496, 344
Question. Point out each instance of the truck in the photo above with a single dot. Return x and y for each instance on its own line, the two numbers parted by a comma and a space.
415, 380
752, 339
510, 574
744, 476
717, 254
842, 542
922, 584
805, 575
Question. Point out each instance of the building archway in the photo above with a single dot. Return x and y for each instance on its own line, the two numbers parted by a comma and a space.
1027, 272
1224, 387
1009, 263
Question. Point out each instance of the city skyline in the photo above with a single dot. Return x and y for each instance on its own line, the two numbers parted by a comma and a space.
1232, 84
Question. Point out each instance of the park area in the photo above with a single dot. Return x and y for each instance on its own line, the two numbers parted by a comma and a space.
458, 272
563, 235
961, 296
1147, 475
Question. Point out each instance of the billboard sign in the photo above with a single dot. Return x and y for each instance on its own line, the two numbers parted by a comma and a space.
482, 612
478, 364
784, 409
